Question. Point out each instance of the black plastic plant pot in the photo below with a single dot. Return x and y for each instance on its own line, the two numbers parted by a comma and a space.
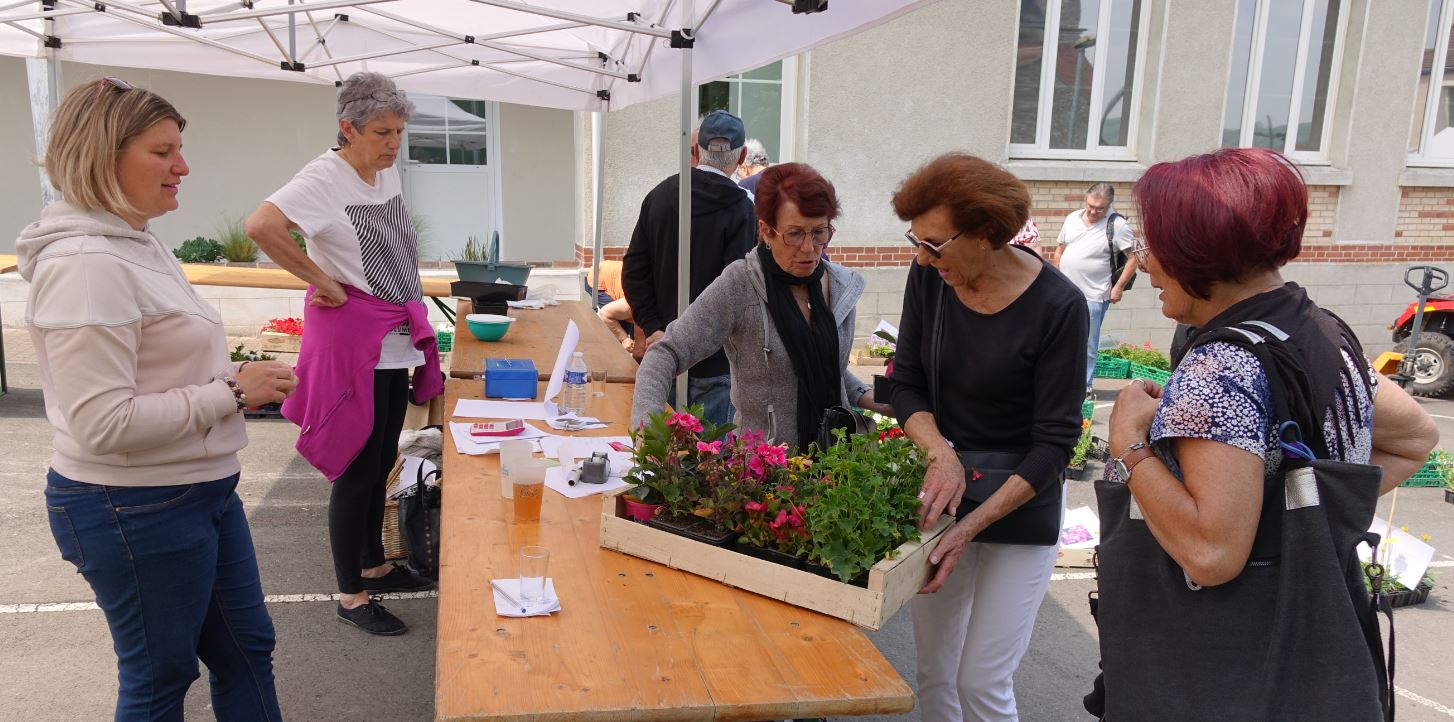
1409, 597
823, 571
883, 388
771, 555
694, 529
1449, 495
266, 411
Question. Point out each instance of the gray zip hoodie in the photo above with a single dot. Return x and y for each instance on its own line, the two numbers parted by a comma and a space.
131, 358
732, 314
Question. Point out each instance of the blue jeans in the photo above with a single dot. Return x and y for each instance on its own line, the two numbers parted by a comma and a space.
173, 569
1093, 342
714, 394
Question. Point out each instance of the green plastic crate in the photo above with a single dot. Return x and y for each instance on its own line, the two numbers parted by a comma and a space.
1150, 374
1109, 367
1088, 409
445, 340
1429, 475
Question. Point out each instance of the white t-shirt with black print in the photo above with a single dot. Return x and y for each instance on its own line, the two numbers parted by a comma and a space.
361, 236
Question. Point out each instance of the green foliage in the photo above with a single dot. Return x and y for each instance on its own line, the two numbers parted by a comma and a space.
236, 246
665, 459
298, 239
474, 250
237, 354
1083, 444
865, 502
198, 250
1445, 464
1144, 355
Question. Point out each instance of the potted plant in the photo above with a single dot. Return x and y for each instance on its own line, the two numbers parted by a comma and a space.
284, 335
883, 344
863, 504
1081, 452
198, 250
480, 263
266, 410
1398, 595
665, 458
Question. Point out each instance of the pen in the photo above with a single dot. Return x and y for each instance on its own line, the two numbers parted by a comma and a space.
506, 595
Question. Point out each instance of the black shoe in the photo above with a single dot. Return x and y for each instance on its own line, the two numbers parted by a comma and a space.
373, 618
399, 579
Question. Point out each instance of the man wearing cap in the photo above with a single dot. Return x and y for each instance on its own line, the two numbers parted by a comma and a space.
723, 230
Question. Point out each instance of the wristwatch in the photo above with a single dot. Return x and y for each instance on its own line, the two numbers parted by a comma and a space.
1137, 453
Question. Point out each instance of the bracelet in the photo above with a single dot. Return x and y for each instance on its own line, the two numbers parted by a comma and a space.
237, 394
242, 366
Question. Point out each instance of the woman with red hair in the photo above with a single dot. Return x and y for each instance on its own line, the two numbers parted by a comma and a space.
780, 313
1224, 591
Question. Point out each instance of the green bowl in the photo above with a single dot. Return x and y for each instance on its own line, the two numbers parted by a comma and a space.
488, 326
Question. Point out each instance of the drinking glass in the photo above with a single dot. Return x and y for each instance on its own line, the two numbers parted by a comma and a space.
528, 479
598, 382
514, 453
533, 563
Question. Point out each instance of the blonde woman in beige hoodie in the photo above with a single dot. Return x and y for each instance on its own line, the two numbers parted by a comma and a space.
147, 414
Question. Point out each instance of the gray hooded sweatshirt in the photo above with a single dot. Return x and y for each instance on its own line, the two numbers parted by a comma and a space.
132, 360
731, 314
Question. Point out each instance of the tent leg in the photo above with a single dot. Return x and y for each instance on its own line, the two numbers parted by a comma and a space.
42, 78
684, 196
598, 156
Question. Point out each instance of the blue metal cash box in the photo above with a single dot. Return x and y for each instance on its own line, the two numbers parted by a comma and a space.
510, 378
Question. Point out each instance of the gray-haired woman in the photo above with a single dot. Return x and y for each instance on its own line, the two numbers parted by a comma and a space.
349, 206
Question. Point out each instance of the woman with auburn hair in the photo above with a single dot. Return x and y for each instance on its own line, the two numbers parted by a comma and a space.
988, 380
1207, 609
780, 313
147, 412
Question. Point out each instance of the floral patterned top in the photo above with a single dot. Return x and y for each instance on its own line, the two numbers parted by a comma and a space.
1220, 392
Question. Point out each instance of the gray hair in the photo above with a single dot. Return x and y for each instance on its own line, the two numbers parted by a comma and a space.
365, 96
1102, 190
756, 153
723, 160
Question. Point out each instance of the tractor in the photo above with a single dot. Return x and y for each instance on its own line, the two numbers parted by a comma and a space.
1431, 370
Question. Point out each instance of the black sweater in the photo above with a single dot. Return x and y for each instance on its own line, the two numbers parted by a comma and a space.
1012, 380
723, 230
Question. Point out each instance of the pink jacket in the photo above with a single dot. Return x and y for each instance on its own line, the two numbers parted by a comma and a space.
333, 405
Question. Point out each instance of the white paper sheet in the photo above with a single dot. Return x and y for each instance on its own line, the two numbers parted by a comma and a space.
1402, 554
504, 608
491, 409
562, 358
571, 422
584, 446
478, 445
530, 305
556, 478
886, 326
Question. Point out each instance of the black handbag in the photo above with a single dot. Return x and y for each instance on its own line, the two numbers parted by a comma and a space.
841, 417
419, 523
1034, 523
1118, 258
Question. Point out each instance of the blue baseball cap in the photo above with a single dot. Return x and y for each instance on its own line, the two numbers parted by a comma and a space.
719, 126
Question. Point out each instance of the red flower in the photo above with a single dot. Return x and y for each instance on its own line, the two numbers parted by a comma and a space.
686, 422
289, 326
754, 506
977, 476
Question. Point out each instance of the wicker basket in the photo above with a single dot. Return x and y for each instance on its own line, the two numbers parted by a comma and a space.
395, 546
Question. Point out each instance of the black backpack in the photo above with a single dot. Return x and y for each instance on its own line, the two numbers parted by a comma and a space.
1118, 258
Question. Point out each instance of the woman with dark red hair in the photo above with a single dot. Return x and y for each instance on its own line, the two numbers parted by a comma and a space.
1225, 592
780, 313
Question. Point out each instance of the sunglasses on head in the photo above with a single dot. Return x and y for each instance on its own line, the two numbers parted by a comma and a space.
935, 249
120, 85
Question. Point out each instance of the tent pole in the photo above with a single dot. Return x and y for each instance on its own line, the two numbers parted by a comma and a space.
684, 195
292, 36
43, 79
598, 157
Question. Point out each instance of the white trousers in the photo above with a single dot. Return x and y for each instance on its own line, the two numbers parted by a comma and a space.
972, 633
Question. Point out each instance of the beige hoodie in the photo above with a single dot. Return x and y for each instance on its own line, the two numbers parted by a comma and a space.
131, 357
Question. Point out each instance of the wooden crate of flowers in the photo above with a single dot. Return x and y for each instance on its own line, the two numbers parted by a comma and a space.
835, 533
283, 335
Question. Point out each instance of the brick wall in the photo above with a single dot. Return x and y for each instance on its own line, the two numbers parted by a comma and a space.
1425, 215
1052, 201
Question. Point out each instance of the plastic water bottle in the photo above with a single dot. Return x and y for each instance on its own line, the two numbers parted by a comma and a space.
576, 386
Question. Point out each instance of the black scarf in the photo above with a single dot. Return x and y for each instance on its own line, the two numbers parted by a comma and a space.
812, 346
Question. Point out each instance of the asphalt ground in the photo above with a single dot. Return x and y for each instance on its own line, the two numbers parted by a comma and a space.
56, 661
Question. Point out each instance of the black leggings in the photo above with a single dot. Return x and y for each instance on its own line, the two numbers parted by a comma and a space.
356, 504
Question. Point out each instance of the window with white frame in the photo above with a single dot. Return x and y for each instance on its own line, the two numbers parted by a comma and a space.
1284, 70
448, 131
764, 98
1076, 76
1431, 139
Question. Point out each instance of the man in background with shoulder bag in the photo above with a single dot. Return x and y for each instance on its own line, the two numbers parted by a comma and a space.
1092, 251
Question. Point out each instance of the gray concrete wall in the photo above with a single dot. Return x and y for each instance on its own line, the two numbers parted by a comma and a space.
1382, 53
1183, 91
641, 149
244, 139
885, 101
537, 175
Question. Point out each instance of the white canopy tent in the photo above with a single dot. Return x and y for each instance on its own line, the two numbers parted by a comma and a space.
591, 55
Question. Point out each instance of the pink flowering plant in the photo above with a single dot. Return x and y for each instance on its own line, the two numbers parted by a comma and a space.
735, 470
668, 449
776, 515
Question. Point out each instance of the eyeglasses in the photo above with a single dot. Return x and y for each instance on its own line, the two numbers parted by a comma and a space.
120, 85
937, 250
794, 237
1141, 251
